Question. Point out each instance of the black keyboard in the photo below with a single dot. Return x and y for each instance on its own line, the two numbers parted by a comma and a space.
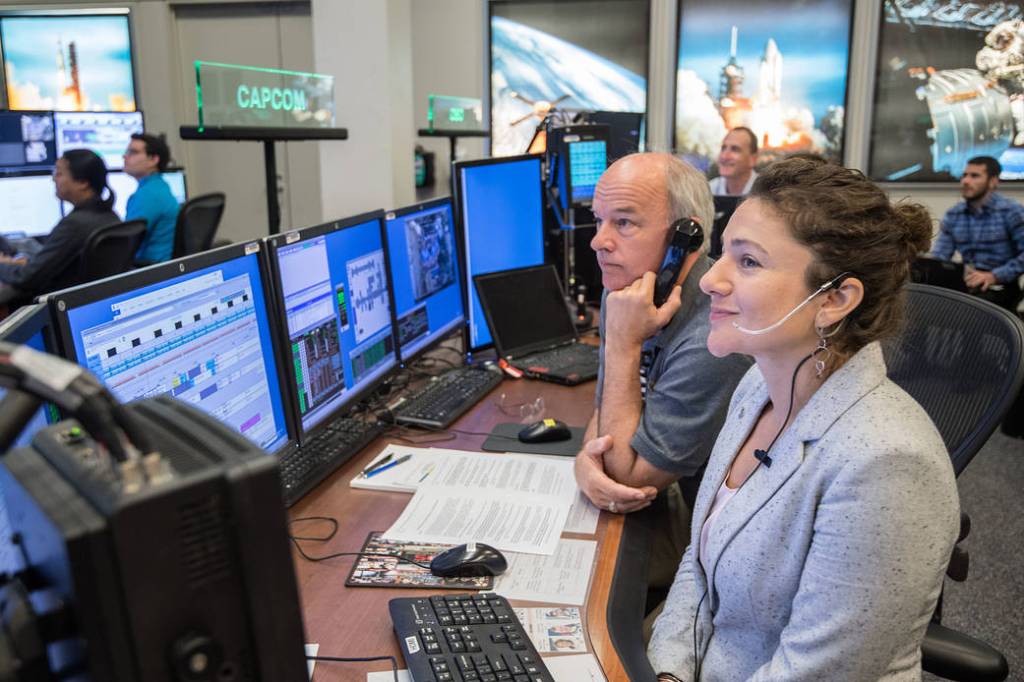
302, 467
465, 638
445, 398
581, 357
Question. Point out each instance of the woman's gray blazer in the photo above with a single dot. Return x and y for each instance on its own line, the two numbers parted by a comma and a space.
826, 565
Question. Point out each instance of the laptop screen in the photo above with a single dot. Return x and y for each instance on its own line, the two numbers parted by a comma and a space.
526, 309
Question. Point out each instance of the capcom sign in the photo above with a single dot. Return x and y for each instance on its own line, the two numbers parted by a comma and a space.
233, 95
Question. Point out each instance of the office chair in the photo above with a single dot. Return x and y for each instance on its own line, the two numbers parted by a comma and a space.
960, 357
197, 224
110, 250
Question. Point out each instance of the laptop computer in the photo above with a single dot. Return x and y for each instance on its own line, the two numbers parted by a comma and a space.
939, 273
532, 326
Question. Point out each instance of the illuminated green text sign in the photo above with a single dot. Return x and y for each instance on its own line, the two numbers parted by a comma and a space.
232, 95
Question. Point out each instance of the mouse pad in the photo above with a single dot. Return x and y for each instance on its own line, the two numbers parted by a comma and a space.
382, 571
505, 438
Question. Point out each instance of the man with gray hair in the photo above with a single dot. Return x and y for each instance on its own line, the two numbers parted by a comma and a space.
661, 396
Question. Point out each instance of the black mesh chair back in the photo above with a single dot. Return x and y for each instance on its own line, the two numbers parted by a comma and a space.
961, 358
111, 250
197, 224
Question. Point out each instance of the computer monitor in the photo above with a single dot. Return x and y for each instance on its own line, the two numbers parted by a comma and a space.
175, 179
424, 273
577, 157
28, 204
26, 141
105, 132
125, 185
331, 292
626, 131
30, 326
198, 329
501, 221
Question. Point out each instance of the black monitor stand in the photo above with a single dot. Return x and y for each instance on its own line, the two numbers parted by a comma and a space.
268, 136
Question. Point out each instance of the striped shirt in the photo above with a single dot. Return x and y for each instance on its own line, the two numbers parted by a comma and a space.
989, 238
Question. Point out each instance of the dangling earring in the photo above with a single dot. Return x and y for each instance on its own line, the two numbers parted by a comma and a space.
822, 362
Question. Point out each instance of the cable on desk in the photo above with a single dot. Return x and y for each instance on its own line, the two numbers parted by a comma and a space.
366, 659
334, 529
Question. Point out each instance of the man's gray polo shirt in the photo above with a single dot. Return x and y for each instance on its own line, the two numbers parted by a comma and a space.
688, 388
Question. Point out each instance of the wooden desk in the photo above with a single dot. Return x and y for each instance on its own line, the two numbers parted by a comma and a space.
353, 622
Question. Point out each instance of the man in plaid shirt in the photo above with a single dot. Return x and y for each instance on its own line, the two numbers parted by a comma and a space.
988, 231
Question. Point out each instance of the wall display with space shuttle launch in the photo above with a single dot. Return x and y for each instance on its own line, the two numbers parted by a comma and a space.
551, 56
949, 86
778, 67
68, 62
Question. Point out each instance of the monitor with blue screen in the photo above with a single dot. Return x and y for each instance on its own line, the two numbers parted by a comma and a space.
501, 218
28, 205
424, 270
26, 141
331, 292
30, 326
198, 329
587, 161
105, 132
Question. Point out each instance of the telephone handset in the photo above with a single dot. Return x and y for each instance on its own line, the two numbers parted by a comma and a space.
687, 237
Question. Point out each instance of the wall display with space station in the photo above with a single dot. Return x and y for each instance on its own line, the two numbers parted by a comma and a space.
581, 55
949, 86
777, 67
69, 61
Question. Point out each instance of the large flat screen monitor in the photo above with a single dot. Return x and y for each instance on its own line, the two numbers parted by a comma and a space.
68, 62
28, 205
776, 67
577, 55
331, 292
424, 269
26, 141
105, 132
198, 329
501, 219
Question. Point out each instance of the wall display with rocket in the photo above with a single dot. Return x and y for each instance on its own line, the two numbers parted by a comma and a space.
949, 86
778, 67
72, 62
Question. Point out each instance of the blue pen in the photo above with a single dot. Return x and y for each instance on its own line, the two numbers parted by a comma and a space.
398, 461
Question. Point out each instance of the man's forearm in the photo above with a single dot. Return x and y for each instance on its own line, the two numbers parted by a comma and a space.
621, 407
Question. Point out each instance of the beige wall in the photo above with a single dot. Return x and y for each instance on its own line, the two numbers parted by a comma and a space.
387, 56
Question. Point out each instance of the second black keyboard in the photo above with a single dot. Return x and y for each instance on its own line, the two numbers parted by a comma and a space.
465, 638
446, 398
302, 467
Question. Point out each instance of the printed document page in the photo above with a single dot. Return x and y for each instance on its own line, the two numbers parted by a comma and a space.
516, 503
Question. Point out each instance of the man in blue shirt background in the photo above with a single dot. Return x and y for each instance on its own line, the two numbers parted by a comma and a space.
145, 159
988, 231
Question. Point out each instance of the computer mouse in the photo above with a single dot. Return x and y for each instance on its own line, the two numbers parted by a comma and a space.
545, 431
468, 561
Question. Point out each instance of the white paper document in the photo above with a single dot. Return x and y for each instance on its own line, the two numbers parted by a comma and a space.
562, 578
575, 668
517, 503
582, 516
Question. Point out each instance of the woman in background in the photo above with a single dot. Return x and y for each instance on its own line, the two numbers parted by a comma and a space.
80, 178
